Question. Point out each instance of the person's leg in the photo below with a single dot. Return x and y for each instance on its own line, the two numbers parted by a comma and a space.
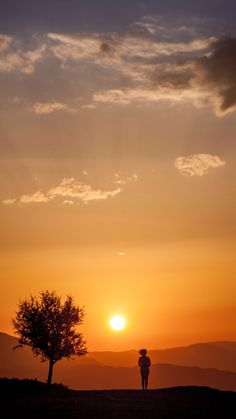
146, 380
143, 381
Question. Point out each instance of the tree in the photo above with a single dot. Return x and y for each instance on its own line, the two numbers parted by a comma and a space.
48, 326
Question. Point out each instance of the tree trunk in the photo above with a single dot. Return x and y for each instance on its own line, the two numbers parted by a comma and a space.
50, 372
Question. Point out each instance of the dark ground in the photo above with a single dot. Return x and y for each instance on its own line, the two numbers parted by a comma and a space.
32, 399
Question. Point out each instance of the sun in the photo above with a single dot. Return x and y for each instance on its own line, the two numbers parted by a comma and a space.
117, 323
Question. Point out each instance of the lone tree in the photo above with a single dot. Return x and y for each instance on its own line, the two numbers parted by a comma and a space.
48, 326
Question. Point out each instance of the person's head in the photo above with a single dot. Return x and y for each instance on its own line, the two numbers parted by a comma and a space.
143, 352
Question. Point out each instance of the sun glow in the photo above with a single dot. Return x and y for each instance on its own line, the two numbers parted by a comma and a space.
117, 323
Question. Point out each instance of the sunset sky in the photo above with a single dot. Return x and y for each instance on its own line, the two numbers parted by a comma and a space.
118, 165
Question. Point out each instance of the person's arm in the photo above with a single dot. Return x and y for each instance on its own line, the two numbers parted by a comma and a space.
149, 362
140, 362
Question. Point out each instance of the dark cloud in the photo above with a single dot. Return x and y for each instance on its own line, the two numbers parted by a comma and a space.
109, 44
210, 78
173, 79
217, 72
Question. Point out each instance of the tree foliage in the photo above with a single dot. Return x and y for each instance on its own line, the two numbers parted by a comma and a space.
48, 326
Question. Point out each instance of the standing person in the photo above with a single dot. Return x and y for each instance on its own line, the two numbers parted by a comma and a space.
144, 363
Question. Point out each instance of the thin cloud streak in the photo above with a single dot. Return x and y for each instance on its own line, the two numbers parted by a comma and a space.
50, 107
69, 191
8, 201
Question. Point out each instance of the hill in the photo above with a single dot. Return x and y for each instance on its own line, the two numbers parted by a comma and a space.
26, 399
88, 373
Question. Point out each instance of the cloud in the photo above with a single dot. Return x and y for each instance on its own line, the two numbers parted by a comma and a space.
13, 58
165, 30
72, 188
121, 253
74, 47
198, 164
120, 96
68, 202
5, 41
156, 60
125, 96
35, 197
8, 201
127, 46
216, 73
166, 62
68, 191
122, 179
89, 106
49, 107
133, 53
208, 80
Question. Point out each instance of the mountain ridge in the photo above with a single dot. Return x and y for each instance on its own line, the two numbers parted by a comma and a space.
90, 373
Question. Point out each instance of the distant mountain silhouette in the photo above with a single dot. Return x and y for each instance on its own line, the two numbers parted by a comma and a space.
88, 373
221, 355
161, 376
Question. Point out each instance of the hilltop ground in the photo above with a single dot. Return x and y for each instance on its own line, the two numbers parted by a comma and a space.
32, 400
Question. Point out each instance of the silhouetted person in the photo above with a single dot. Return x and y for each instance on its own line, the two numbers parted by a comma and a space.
144, 363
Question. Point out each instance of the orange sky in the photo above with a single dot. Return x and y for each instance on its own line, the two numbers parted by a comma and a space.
170, 294
118, 179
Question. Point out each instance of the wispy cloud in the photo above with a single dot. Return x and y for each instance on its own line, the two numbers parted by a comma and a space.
5, 42
198, 164
129, 45
126, 96
207, 80
72, 188
158, 61
121, 253
134, 53
49, 107
68, 202
13, 58
68, 192
122, 178
90, 106
8, 201
35, 197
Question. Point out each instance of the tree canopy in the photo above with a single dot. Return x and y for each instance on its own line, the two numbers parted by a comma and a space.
48, 326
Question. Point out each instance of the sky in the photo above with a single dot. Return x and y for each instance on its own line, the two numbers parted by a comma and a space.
118, 164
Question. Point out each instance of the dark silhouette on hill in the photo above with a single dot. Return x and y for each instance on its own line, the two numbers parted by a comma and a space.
31, 399
48, 327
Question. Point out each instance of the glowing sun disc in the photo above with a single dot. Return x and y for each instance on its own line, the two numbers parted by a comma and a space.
117, 323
